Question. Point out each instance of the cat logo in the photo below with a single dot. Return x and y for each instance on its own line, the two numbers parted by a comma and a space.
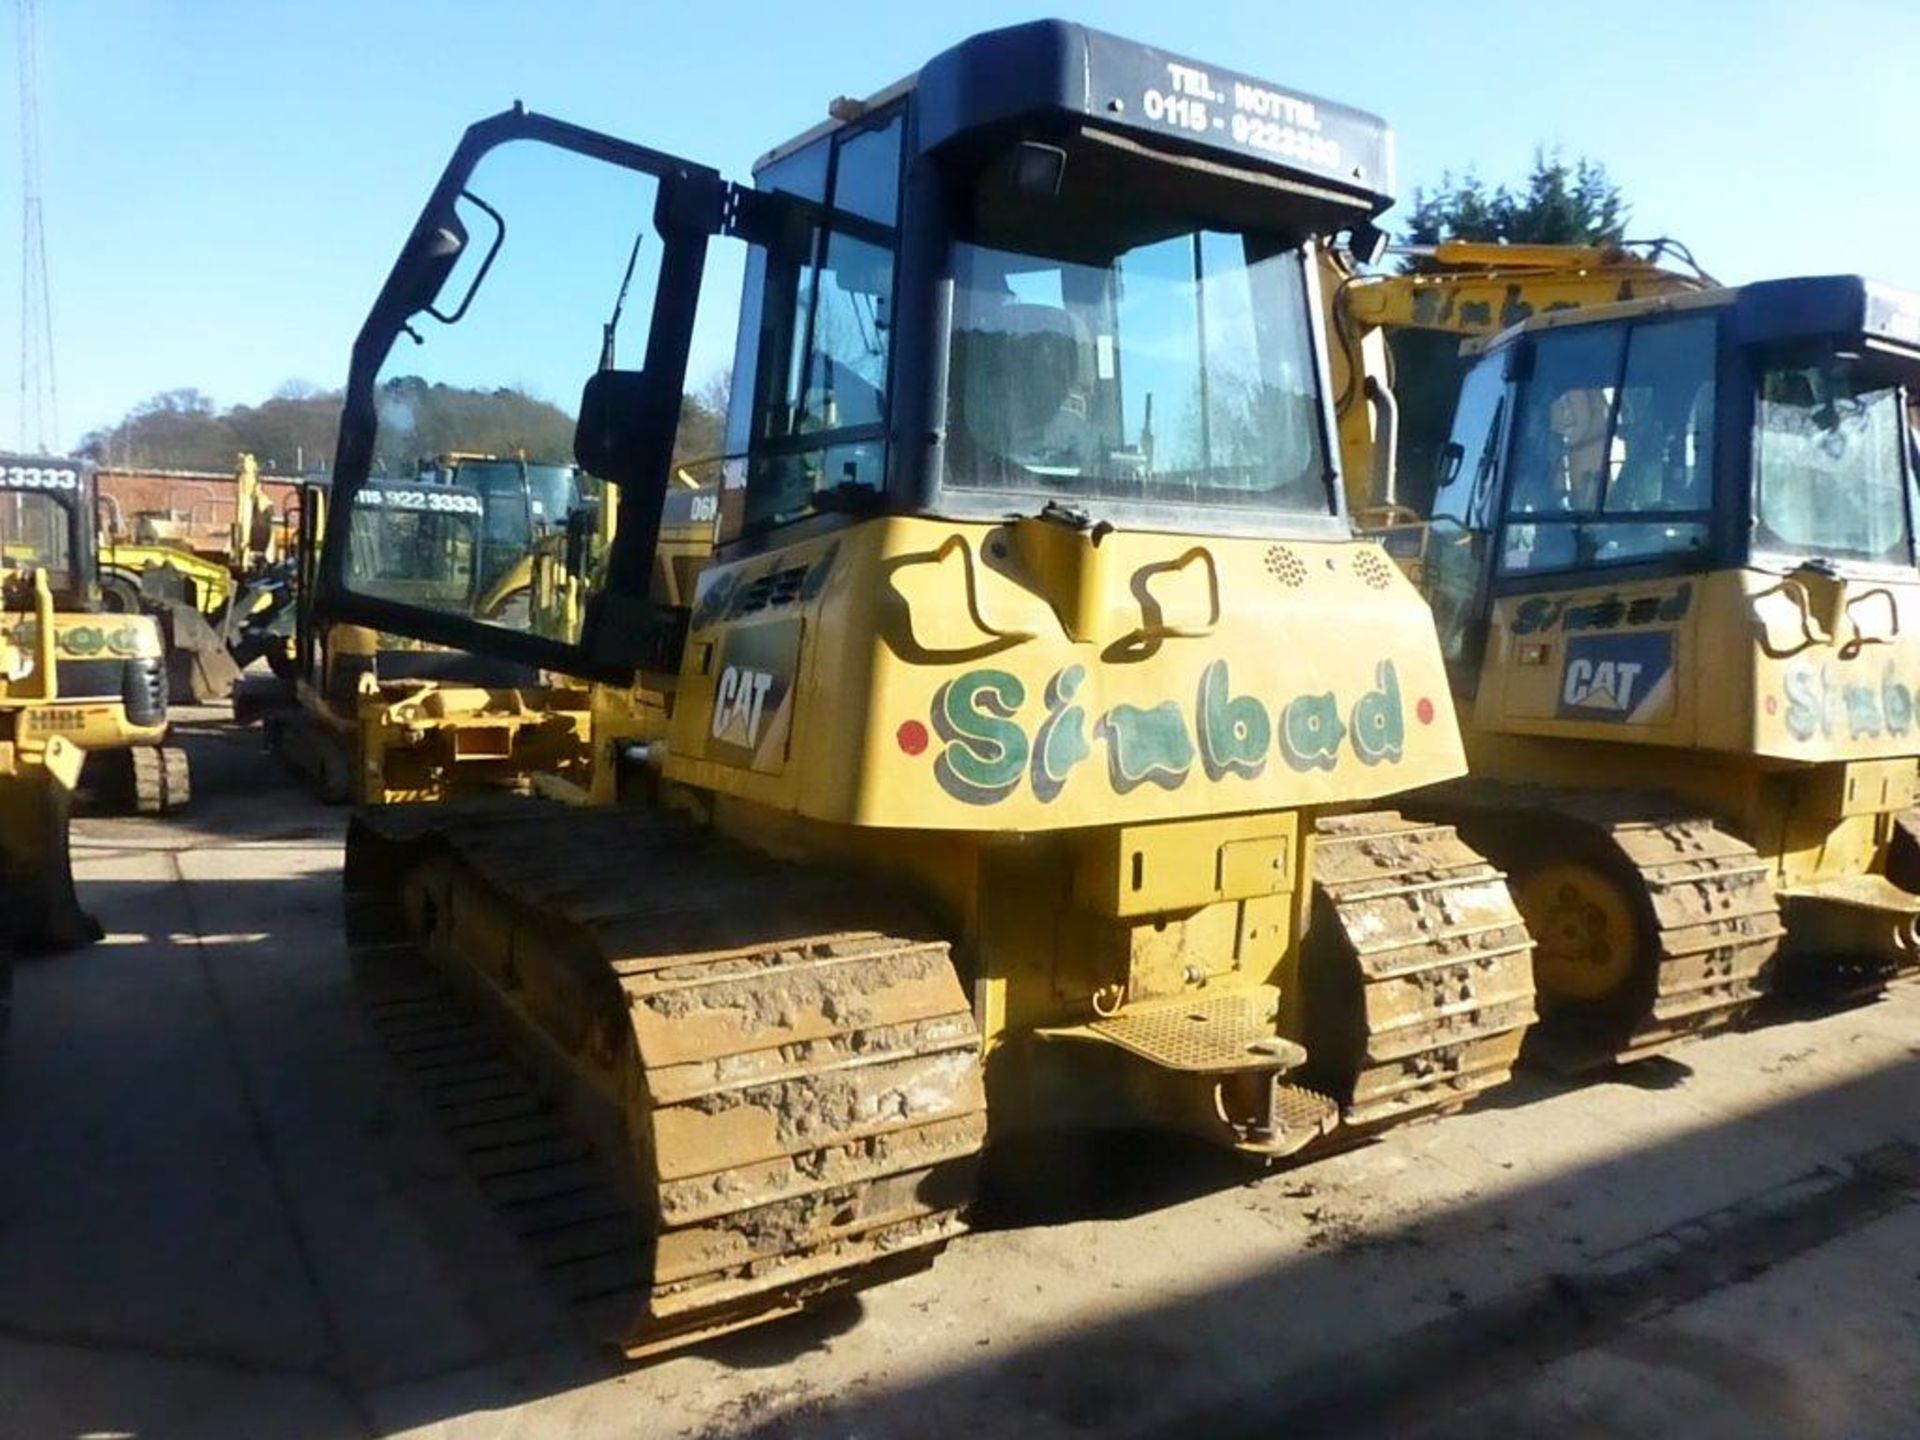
740, 705
1624, 679
752, 717
1601, 685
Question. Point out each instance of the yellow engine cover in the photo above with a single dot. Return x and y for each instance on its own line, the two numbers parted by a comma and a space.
1799, 668
1029, 676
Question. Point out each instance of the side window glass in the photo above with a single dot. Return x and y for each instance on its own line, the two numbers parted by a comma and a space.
825, 322
1560, 447
472, 487
1661, 458
1613, 451
867, 181
1468, 462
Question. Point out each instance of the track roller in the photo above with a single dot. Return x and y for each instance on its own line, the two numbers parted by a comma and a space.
1653, 925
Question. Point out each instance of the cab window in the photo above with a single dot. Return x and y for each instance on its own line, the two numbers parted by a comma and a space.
1613, 447
1453, 571
1823, 430
36, 530
820, 307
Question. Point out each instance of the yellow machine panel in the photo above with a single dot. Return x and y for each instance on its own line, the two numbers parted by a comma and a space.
1005, 677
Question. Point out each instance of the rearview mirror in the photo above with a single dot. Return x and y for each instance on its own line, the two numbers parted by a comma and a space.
432, 252
1451, 454
609, 438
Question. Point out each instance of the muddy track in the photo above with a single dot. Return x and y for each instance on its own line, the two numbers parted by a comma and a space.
775, 1072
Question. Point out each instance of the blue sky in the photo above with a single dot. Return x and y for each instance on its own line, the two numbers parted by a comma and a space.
226, 181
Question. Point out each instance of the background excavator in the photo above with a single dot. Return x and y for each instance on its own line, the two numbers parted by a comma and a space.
1671, 554
109, 693
1468, 290
216, 604
981, 789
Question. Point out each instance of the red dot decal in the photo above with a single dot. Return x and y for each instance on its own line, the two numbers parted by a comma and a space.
1424, 710
1773, 705
912, 736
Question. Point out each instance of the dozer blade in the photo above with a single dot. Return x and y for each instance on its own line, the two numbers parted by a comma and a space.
42, 907
775, 1068
1422, 964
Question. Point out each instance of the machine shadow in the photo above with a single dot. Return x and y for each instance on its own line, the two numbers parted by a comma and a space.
1382, 1332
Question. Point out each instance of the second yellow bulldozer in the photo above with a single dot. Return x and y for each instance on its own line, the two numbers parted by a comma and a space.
1671, 553
377, 718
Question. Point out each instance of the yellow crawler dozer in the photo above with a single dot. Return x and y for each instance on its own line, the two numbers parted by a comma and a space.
39, 770
377, 718
1024, 741
1671, 555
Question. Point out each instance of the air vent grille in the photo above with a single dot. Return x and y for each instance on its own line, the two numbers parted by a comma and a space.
1373, 568
1285, 566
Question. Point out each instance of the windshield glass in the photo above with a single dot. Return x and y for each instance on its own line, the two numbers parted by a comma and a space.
35, 530
1828, 465
552, 493
1101, 351
415, 545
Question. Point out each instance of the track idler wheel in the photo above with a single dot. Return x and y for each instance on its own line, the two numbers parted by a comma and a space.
1591, 949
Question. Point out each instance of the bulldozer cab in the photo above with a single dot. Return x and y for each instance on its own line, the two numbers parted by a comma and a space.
1617, 480
415, 542
47, 524
526, 504
1053, 273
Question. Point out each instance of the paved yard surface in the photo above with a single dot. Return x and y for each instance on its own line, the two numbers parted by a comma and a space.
223, 1213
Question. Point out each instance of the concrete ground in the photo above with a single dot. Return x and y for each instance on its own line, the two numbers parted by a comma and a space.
223, 1213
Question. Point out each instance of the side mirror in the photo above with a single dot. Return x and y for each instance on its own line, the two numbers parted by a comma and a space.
432, 252
609, 439
583, 522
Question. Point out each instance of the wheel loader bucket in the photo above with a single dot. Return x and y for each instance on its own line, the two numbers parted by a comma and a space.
41, 906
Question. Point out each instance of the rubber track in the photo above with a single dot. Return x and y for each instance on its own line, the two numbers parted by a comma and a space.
775, 1070
1444, 960
162, 780
149, 780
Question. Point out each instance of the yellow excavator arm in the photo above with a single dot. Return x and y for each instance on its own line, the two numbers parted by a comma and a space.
1477, 289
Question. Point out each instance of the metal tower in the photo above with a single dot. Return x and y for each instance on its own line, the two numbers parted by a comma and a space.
39, 394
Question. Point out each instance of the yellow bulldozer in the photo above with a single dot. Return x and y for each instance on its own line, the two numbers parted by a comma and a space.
1026, 744
110, 668
39, 770
378, 718
1671, 556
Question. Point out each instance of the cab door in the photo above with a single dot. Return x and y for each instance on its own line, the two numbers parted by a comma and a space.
542, 307
1605, 530
1454, 571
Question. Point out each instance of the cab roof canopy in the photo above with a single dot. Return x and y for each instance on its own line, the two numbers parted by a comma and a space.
1052, 78
1853, 311
1850, 311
